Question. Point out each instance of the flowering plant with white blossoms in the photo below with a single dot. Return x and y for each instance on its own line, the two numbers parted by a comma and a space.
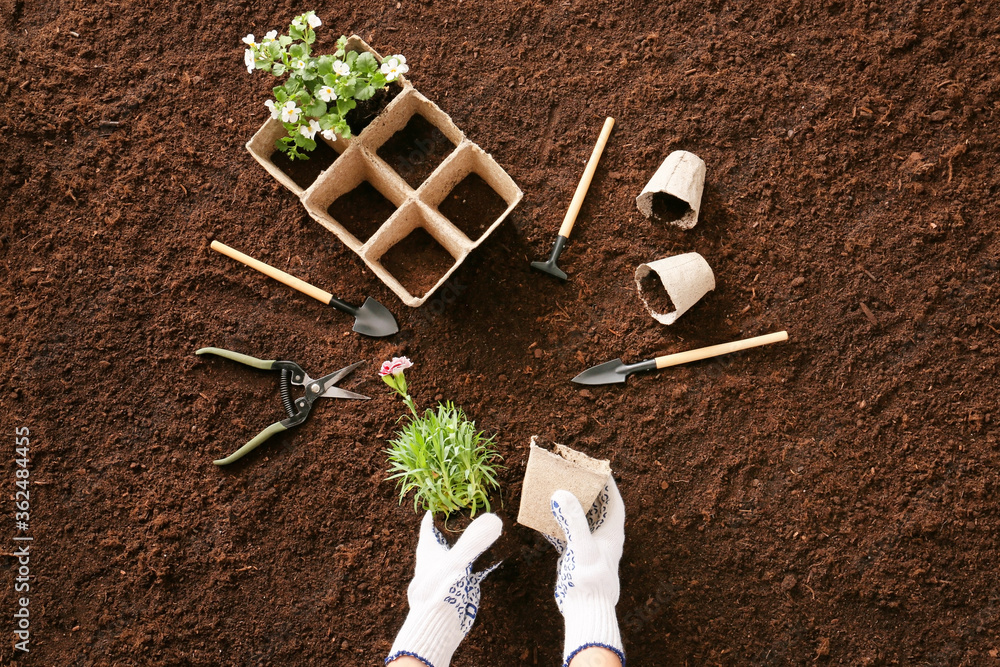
319, 91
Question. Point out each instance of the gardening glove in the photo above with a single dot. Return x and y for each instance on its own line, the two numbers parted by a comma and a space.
444, 593
587, 586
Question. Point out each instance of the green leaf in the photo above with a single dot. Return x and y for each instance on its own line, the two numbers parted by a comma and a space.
347, 89
273, 49
316, 109
378, 81
293, 85
284, 40
324, 66
330, 79
298, 51
364, 93
310, 36
307, 75
342, 42
303, 98
366, 63
280, 95
278, 69
343, 106
329, 121
351, 57
294, 33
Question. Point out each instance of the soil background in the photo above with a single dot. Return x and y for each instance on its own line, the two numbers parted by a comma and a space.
829, 500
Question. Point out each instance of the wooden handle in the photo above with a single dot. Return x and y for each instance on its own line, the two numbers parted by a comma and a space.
717, 350
277, 274
588, 175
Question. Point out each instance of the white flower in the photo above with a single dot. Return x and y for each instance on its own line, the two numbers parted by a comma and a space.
326, 93
299, 64
402, 60
270, 37
313, 21
248, 40
309, 131
392, 68
273, 109
248, 60
329, 135
290, 112
341, 68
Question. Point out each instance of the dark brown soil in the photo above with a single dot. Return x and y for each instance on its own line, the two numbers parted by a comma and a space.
473, 205
368, 110
416, 150
832, 500
362, 210
656, 296
418, 261
305, 172
667, 208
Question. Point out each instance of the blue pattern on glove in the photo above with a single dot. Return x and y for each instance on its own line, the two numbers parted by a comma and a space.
567, 561
464, 596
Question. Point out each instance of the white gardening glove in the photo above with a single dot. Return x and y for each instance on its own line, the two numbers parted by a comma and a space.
587, 585
444, 593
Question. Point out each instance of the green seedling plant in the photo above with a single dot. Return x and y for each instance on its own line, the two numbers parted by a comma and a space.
439, 455
320, 90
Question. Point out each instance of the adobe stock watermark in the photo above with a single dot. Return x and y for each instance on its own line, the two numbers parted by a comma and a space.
635, 620
443, 299
423, 149
632, 622
22, 540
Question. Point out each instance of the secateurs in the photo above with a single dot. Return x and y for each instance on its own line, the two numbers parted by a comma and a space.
298, 409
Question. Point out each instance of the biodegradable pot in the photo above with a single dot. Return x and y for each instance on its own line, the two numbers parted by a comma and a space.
548, 472
686, 278
415, 215
673, 194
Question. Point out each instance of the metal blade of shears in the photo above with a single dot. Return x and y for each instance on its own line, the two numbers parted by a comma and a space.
337, 392
324, 386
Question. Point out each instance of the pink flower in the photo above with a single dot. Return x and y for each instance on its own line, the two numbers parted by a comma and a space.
395, 367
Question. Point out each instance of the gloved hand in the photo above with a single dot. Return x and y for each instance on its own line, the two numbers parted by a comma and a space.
587, 586
444, 593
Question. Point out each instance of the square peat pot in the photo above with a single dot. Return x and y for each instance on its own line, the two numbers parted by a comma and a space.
472, 191
355, 198
296, 175
413, 138
416, 252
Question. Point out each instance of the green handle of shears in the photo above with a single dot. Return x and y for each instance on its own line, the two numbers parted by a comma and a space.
276, 427
263, 364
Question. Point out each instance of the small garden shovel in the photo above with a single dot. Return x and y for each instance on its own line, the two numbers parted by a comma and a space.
616, 371
371, 317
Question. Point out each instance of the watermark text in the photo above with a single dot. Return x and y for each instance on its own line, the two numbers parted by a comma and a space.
22, 539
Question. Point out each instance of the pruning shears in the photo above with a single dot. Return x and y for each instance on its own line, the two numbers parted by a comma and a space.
298, 409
